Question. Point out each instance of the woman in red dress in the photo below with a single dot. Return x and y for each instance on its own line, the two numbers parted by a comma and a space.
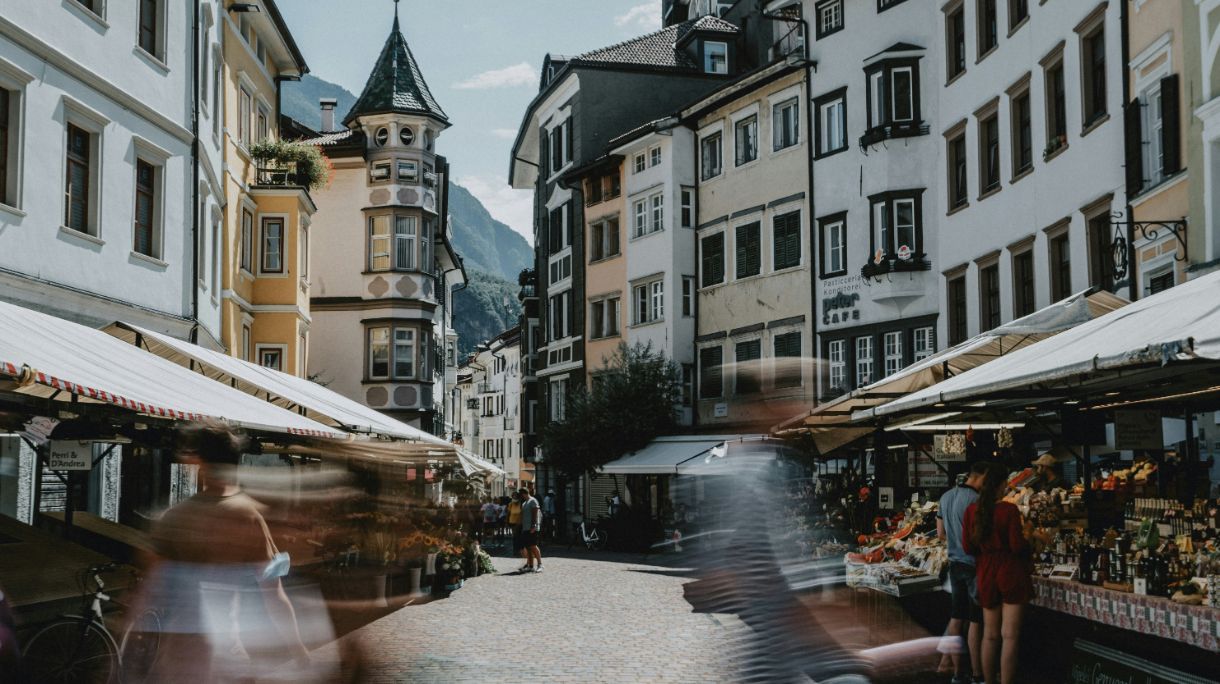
992, 533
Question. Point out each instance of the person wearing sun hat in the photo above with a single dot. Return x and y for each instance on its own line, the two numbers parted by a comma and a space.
1048, 477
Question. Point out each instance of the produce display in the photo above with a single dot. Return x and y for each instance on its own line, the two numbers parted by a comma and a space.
906, 560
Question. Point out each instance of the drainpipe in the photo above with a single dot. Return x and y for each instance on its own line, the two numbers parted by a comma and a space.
196, 213
1132, 266
695, 388
813, 231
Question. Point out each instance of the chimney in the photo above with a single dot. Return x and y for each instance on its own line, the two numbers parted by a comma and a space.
328, 114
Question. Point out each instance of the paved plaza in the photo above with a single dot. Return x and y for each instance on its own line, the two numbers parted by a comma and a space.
602, 618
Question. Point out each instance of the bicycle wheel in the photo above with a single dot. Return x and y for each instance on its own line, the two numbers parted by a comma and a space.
72, 651
597, 540
139, 646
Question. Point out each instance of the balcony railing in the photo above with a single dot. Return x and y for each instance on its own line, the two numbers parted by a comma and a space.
281, 177
792, 42
894, 264
892, 131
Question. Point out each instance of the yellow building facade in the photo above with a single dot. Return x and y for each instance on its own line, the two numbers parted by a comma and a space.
265, 315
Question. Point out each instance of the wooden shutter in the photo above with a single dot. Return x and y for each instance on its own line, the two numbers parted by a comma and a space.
1134, 146
713, 259
570, 153
1171, 126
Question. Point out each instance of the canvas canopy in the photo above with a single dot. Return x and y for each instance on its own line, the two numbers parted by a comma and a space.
48, 355
830, 424
663, 455
392, 454
288, 391
1179, 325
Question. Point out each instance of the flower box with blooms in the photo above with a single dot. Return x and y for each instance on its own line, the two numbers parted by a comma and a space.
290, 163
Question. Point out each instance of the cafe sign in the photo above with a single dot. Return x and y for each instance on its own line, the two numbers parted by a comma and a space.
840, 308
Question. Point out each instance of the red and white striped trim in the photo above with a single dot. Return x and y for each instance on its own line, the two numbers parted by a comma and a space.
131, 404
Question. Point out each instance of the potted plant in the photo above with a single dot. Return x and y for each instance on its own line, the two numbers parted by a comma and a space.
415, 568
291, 163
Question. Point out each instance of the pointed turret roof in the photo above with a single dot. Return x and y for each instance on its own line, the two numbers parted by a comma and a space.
396, 84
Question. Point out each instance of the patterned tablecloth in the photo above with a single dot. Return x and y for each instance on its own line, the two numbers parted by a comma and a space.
1197, 626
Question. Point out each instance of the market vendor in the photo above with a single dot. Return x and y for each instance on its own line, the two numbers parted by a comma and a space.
1048, 477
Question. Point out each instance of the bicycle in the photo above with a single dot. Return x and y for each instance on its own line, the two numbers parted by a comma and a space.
80, 648
593, 536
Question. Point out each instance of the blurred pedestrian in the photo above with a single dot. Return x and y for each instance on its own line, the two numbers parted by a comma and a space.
218, 574
491, 515
548, 512
514, 525
531, 525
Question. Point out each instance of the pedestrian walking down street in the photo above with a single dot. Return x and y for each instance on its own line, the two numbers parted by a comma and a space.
491, 517
965, 615
531, 525
548, 513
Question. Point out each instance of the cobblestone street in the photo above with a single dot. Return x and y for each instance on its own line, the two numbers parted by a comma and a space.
602, 618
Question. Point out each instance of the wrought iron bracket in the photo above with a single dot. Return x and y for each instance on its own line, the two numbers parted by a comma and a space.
1127, 233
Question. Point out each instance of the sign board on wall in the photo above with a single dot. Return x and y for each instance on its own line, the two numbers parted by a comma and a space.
721, 410
1138, 430
923, 472
70, 456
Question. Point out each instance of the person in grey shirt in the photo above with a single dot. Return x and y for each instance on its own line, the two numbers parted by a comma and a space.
531, 524
963, 594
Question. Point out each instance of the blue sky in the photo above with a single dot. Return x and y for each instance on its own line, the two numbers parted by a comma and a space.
481, 60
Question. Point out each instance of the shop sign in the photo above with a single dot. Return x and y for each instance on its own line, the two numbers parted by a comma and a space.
1094, 664
840, 308
70, 456
1138, 430
720, 410
923, 472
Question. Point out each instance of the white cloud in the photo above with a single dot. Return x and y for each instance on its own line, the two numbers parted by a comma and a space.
513, 207
509, 77
505, 133
646, 16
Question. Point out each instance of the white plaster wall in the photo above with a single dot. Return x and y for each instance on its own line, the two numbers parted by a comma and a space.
338, 232
62, 55
844, 181
1091, 166
336, 351
671, 251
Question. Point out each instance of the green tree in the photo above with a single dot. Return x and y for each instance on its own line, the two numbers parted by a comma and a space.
632, 401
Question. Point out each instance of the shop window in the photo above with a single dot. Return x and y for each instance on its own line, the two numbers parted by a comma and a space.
837, 357
924, 343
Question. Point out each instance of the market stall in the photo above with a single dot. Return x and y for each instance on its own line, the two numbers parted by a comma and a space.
1128, 538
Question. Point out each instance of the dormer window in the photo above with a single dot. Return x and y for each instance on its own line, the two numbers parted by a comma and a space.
382, 136
716, 57
406, 136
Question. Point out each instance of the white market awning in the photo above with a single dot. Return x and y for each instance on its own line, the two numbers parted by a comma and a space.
49, 355
287, 391
663, 455
1181, 324
830, 424
473, 465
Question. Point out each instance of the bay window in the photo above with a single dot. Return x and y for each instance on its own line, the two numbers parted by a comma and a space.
897, 225
272, 245
396, 353
893, 97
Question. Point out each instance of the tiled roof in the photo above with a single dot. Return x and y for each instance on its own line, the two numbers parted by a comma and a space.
396, 84
330, 138
658, 49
